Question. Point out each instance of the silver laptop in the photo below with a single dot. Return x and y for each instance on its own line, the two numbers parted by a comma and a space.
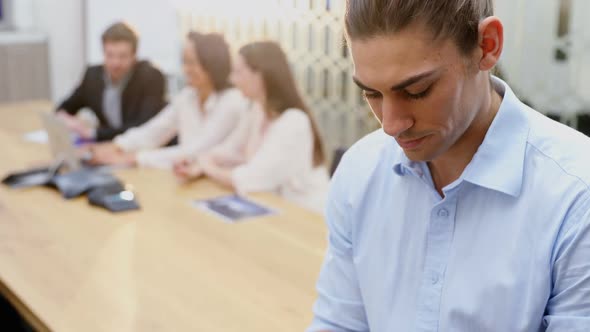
60, 142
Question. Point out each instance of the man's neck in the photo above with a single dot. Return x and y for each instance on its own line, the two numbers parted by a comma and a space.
122, 78
449, 167
118, 80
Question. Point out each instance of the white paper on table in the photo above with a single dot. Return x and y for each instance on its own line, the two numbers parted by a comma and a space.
37, 136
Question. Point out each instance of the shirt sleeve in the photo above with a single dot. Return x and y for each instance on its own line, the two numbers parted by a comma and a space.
219, 126
153, 134
162, 158
283, 149
77, 100
568, 308
231, 147
221, 122
339, 306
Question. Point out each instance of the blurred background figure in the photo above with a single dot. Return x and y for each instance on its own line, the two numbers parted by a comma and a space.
63, 37
202, 114
277, 146
122, 93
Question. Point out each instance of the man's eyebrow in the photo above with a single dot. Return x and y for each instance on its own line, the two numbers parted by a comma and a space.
361, 85
413, 79
400, 86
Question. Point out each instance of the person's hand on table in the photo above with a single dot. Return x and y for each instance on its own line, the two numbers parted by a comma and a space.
76, 125
186, 170
120, 159
111, 154
207, 164
103, 151
218, 173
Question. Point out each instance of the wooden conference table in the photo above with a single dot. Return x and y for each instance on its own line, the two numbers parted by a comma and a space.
68, 266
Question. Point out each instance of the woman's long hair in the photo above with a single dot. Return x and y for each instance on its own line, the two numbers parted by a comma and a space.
214, 56
268, 58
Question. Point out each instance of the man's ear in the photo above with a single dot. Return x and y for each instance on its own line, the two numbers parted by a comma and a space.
491, 42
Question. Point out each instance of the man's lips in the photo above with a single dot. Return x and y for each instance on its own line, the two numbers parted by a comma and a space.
409, 144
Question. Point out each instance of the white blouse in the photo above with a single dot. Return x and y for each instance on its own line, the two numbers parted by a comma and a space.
197, 131
279, 160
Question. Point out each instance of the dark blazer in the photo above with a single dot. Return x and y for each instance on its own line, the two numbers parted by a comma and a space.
142, 98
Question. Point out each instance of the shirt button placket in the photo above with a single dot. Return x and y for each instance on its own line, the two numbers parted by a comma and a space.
435, 278
439, 239
443, 213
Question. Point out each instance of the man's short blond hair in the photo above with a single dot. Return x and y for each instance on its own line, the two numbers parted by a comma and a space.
121, 31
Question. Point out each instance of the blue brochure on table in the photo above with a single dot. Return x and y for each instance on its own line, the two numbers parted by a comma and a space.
233, 208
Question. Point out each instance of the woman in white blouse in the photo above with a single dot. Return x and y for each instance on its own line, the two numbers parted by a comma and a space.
202, 115
276, 147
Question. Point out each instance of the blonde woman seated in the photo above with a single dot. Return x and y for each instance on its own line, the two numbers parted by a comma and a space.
202, 115
276, 146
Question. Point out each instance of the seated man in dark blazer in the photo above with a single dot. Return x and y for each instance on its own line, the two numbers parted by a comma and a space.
122, 93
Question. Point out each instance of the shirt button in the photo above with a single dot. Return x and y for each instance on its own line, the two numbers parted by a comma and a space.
443, 213
434, 279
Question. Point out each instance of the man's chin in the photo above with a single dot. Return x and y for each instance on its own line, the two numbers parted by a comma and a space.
413, 156
419, 155
117, 75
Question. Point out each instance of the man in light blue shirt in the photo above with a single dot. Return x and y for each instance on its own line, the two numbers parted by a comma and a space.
468, 211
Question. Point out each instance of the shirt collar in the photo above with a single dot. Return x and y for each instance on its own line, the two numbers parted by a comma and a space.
405, 166
119, 85
498, 163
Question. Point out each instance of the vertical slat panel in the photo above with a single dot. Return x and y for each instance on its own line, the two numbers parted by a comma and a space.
311, 34
529, 60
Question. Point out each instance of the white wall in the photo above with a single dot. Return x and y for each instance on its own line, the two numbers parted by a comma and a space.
529, 54
62, 24
527, 57
156, 21
73, 29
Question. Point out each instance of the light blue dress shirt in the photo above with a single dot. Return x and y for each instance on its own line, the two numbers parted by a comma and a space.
506, 249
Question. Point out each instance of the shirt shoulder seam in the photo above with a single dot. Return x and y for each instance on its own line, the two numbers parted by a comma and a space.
580, 179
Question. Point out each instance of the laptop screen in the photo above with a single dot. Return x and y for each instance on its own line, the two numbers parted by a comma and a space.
60, 141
